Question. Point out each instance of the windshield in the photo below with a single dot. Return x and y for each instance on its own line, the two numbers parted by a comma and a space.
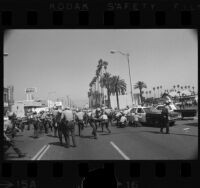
146, 109
133, 110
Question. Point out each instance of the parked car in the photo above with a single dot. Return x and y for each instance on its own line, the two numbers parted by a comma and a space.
155, 117
139, 111
182, 112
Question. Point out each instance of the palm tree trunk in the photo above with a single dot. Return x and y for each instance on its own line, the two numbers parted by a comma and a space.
140, 95
117, 99
108, 93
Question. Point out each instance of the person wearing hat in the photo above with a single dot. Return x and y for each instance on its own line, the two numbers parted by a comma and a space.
67, 124
105, 122
79, 119
165, 114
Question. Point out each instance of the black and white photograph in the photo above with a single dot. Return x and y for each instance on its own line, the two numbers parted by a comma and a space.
100, 94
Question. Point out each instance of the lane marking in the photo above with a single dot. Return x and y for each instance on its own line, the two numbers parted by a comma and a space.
42, 154
38, 153
117, 148
186, 129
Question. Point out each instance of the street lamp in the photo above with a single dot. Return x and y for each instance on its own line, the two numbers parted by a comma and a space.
127, 56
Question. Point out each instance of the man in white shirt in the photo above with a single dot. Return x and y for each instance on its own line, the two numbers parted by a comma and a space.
79, 120
104, 121
123, 120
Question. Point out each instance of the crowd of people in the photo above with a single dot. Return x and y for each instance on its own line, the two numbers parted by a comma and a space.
63, 122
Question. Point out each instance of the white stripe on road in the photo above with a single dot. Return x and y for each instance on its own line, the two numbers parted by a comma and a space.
43, 152
117, 148
186, 129
38, 153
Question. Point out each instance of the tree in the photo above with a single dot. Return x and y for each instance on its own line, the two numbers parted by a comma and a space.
154, 91
106, 82
150, 92
146, 94
193, 89
161, 89
140, 85
118, 86
174, 87
158, 91
105, 64
178, 86
181, 87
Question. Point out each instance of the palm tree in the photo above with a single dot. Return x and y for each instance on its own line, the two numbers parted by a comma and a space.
118, 86
150, 92
158, 91
106, 82
193, 89
146, 94
178, 86
140, 85
154, 91
181, 87
174, 87
185, 87
161, 90
105, 64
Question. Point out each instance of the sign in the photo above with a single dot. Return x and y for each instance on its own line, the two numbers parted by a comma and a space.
58, 103
30, 90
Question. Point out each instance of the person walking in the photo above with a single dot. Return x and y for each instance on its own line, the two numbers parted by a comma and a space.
55, 118
105, 122
92, 119
36, 124
79, 120
8, 142
98, 114
165, 121
68, 126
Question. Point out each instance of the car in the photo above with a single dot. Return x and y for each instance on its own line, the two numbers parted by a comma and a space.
139, 111
172, 114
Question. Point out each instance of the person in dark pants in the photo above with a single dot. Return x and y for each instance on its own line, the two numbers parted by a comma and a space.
97, 118
93, 125
80, 121
68, 126
8, 142
105, 122
56, 116
36, 124
165, 121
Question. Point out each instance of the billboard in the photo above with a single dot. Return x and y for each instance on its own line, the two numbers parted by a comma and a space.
30, 90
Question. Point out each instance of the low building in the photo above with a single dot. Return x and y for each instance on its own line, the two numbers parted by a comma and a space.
21, 108
8, 98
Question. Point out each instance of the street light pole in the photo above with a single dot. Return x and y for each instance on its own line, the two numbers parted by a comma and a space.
127, 56
130, 78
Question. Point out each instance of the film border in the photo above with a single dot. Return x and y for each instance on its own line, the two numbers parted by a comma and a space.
99, 14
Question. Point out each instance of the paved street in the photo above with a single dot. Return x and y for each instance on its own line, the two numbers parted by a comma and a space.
141, 143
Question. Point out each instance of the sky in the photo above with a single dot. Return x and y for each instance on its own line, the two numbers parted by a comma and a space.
64, 61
